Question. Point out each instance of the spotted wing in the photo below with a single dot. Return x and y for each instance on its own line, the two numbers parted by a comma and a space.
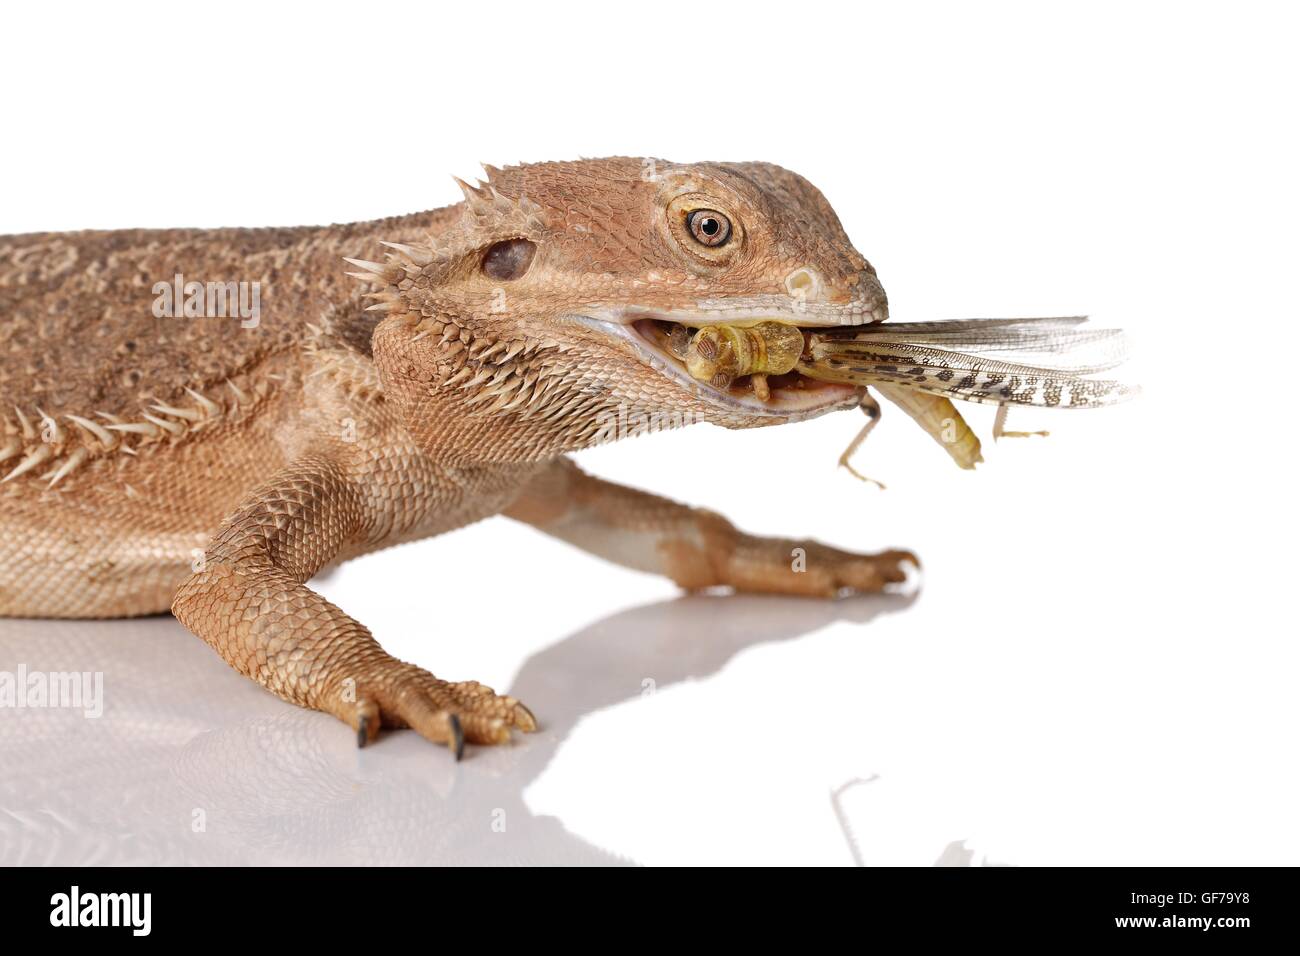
1046, 362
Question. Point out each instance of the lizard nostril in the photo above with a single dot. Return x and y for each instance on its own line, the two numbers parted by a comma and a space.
803, 284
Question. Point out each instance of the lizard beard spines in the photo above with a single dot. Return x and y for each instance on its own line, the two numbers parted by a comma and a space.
486, 374
484, 397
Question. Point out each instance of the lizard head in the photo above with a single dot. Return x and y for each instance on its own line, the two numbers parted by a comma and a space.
581, 287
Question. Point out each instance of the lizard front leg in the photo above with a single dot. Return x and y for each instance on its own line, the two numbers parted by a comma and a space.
249, 601
695, 548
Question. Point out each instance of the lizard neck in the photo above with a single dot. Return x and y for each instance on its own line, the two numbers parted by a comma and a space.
471, 398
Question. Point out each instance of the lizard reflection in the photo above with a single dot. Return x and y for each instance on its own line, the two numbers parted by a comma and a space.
191, 763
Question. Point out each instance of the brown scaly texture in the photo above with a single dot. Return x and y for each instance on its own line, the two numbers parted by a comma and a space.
197, 464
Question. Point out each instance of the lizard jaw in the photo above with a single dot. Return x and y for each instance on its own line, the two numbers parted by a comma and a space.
793, 397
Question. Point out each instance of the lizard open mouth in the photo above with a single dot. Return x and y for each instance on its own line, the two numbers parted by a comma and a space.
753, 364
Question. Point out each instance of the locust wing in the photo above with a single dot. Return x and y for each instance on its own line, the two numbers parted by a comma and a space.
1047, 362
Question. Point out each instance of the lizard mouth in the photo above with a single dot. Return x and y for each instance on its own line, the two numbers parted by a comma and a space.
786, 394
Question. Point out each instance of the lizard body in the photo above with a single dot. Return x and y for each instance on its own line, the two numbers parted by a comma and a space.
213, 465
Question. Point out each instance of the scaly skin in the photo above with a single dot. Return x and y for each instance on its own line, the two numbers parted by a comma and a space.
196, 464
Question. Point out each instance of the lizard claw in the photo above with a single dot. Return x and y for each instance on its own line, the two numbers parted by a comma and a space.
524, 719
457, 743
395, 694
872, 572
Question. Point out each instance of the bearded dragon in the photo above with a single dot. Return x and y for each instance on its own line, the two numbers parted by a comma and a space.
169, 458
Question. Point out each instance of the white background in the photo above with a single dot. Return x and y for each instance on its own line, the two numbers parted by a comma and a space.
1100, 665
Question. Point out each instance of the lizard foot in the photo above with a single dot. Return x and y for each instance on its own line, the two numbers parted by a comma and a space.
811, 569
403, 695
835, 572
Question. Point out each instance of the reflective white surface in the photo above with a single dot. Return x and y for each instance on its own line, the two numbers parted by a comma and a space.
191, 763
977, 722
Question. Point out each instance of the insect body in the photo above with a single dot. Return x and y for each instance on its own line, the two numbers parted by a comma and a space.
720, 354
920, 366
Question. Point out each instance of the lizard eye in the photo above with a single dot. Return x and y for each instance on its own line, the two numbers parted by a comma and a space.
705, 238
708, 227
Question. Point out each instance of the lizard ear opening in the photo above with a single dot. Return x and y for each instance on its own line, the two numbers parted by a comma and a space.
509, 259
